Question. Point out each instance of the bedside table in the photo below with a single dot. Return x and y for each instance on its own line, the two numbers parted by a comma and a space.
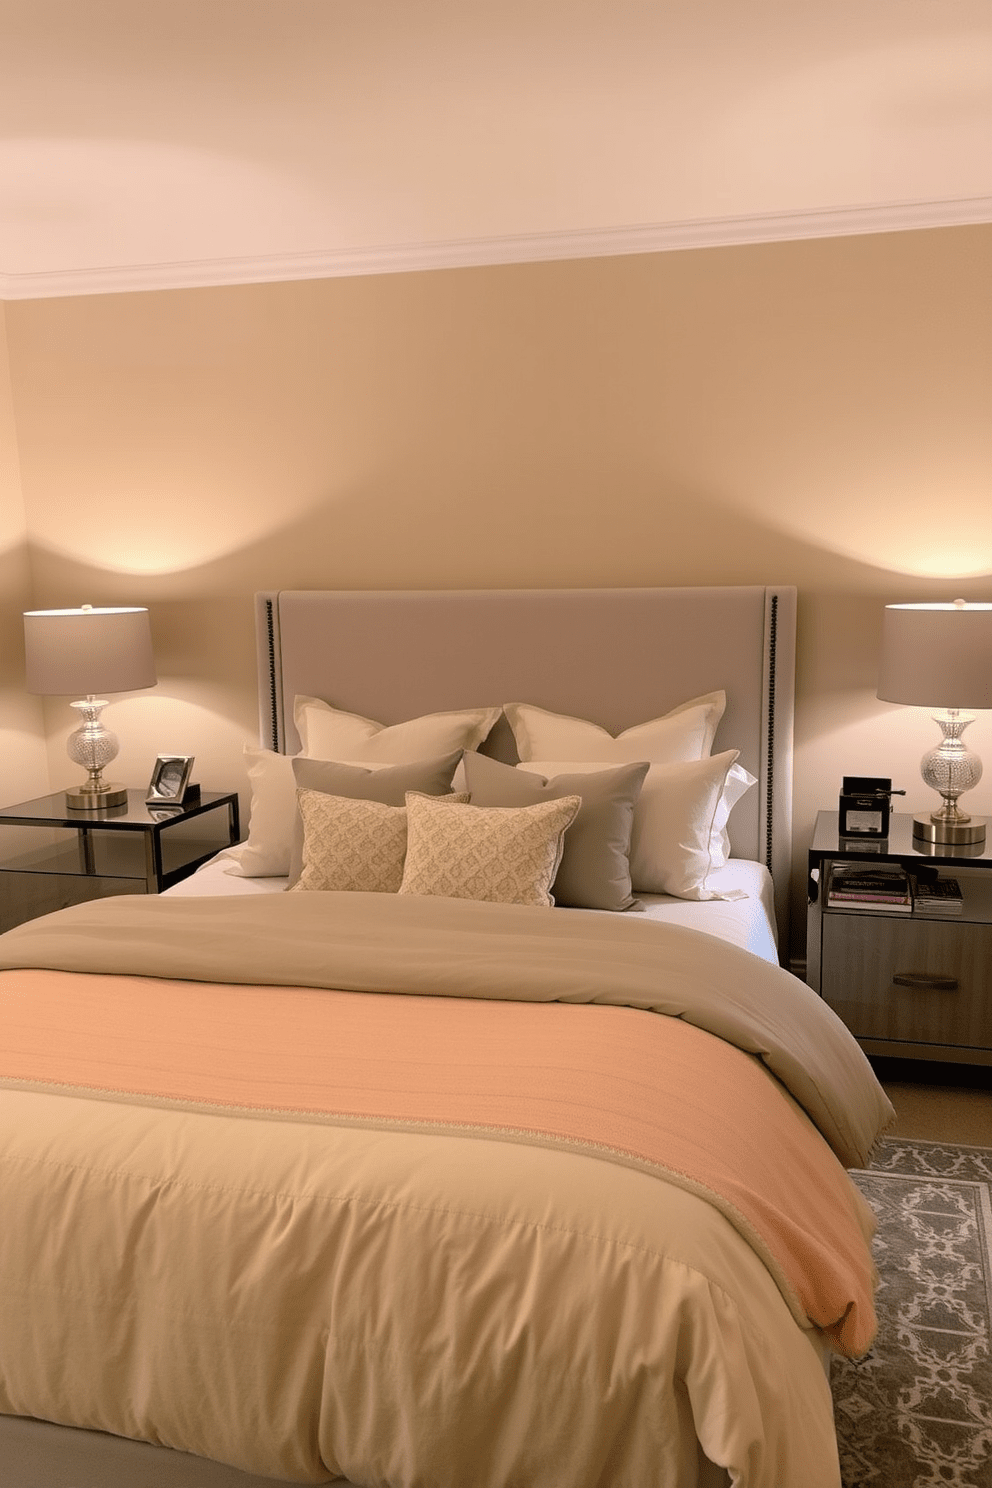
915, 986
51, 857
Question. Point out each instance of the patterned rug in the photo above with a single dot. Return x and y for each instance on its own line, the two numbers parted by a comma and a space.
917, 1411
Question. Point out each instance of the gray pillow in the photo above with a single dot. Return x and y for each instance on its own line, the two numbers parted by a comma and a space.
595, 867
388, 786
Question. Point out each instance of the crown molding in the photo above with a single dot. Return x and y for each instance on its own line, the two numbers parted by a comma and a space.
717, 232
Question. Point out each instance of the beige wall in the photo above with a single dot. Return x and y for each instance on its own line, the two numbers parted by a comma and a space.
23, 756
814, 413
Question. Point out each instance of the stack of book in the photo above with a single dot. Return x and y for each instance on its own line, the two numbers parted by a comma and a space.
937, 896
883, 887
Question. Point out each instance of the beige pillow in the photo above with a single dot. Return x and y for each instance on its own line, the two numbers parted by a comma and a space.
351, 845
506, 855
328, 733
387, 784
685, 733
676, 839
594, 872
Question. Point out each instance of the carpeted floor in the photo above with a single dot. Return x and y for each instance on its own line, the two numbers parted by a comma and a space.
917, 1411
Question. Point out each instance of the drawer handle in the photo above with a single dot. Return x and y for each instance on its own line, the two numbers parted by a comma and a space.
929, 980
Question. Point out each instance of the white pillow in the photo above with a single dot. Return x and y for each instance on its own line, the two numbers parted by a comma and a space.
266, 851
501, 854
739, 782
686, 733
329, 734
679, 819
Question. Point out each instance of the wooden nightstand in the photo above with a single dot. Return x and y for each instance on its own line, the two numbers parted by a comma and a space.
51, 857
915, 986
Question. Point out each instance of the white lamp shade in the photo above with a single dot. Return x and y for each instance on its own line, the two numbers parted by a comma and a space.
88, 652
937, 655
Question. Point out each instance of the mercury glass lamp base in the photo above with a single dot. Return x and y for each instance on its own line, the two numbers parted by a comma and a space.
947, 834
85, 798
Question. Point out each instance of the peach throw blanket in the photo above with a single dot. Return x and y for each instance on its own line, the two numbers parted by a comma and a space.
654, 1093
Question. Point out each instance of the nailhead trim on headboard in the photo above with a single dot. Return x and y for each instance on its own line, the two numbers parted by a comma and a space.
276, 742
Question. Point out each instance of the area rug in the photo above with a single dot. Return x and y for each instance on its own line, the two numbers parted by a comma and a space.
916, 1412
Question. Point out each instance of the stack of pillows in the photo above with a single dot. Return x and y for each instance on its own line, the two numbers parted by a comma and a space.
585, 820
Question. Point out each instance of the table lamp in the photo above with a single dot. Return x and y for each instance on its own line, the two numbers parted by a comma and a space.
939, 656
90, 651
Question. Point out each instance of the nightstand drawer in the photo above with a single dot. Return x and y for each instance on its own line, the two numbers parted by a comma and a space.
917, 981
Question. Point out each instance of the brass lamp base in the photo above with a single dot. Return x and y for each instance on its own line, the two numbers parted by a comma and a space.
935, 832
86, 798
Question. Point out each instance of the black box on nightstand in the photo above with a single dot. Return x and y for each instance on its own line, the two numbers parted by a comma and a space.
864, 806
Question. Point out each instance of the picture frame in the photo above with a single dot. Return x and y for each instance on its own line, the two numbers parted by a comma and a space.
170, 780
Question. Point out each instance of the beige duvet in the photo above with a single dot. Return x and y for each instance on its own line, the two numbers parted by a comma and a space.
310, 1295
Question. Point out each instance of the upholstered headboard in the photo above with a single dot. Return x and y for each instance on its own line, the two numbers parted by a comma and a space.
615, 656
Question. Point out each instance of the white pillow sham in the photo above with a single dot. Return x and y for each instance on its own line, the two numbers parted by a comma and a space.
680, 820
739, 782
685, 733
265, 853
328, 733
500, 854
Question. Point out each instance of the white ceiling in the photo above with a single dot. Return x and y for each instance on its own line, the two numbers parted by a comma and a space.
149, 143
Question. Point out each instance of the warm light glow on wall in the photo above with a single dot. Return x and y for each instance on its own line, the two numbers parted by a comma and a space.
925, 528
939, 556
923, 553
170, 531
164, 534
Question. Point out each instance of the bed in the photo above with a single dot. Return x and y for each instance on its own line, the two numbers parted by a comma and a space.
551, 1236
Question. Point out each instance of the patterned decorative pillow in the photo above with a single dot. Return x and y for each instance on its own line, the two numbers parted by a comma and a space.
352, 845
506, 855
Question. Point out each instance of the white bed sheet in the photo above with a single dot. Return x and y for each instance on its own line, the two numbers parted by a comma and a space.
748, 921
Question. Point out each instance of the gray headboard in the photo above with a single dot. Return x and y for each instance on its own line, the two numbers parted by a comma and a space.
615, 656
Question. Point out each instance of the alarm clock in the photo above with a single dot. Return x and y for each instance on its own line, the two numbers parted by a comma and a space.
864, 806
